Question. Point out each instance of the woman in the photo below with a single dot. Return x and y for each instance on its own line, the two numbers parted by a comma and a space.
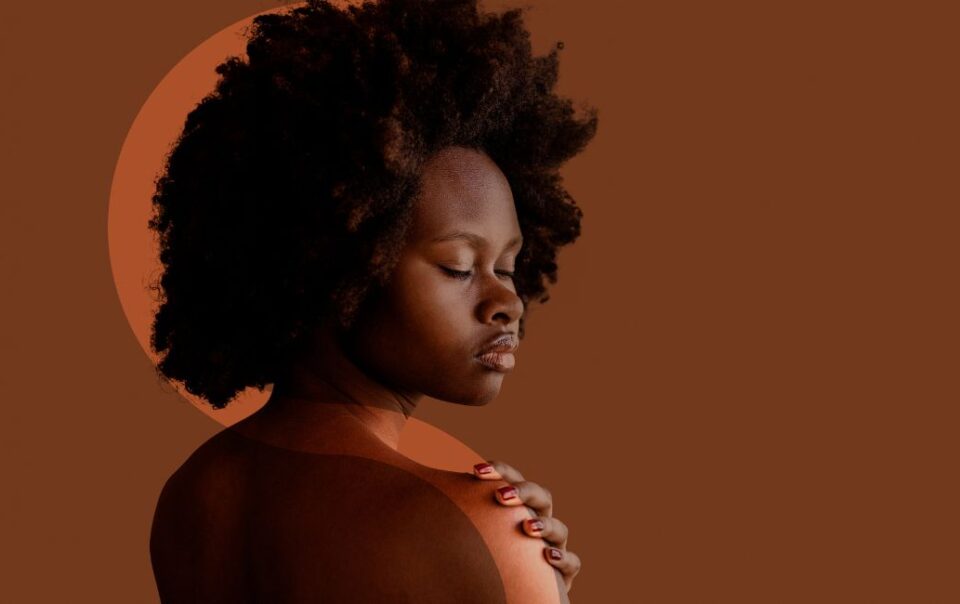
360, 214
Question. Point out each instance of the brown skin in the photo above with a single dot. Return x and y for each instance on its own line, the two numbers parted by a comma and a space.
446, 318
542, 524
420, 334
348, 399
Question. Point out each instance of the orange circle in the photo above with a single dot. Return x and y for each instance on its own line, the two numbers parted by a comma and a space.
134, 257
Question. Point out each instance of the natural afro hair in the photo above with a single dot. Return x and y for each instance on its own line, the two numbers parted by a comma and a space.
288, 194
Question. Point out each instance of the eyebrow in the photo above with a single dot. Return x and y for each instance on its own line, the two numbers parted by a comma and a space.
473, 238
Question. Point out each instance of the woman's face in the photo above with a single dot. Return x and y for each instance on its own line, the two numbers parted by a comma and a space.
451, 291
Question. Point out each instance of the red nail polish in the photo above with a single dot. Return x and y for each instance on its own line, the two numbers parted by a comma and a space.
507, 492
483, 468
535, 525
555, 554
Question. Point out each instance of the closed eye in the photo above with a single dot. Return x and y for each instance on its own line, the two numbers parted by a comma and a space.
464, 275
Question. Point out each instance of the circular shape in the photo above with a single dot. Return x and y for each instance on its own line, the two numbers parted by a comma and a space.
133, 247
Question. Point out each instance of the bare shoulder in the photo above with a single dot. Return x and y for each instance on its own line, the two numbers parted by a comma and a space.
244, 522
518, 555
524, 572
211, 476
196, 527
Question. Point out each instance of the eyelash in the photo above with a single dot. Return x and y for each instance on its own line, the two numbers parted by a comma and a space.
464, 275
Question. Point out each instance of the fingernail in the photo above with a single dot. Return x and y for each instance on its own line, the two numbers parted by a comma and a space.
534, 525
484, 470
507, 493
554, 553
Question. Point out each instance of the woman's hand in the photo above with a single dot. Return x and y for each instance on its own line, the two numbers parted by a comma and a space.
543, 524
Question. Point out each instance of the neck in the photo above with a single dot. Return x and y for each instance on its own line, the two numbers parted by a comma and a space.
327, 385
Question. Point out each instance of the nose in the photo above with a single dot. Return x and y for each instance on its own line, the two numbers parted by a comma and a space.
499, 303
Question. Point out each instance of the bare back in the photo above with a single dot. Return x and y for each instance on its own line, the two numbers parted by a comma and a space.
246, 521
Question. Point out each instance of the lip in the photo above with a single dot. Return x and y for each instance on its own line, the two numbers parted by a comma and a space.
498, 361
504, 342
497, 353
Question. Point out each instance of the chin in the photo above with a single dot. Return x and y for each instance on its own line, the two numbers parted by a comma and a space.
476, 398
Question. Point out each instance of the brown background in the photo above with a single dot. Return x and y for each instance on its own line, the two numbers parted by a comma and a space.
744, 388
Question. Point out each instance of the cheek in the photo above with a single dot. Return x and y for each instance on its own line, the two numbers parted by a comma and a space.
437, 309
423, 338
420, 310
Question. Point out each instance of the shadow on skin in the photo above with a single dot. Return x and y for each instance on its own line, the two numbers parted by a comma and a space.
245, 521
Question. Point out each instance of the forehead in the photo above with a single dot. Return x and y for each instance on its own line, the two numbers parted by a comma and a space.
461, 187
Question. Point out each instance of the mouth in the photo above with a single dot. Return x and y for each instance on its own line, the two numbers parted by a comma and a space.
497, 355
497, 361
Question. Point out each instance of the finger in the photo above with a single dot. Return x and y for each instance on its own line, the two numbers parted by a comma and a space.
486, 471
497, 470
568, 563
508, 495
551, 530
530, 493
